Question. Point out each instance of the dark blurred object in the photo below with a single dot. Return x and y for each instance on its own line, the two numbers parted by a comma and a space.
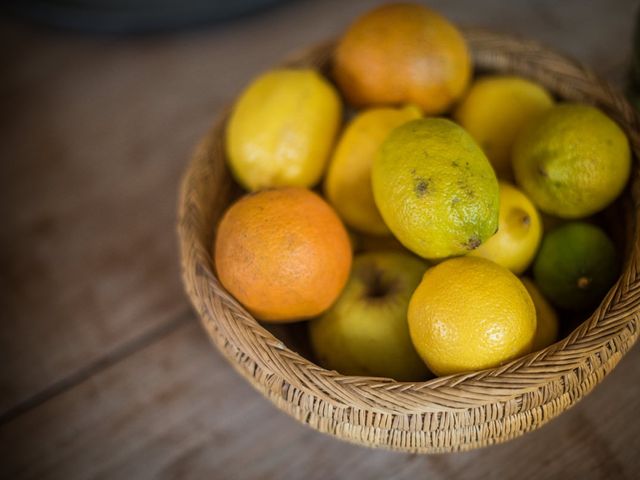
131, 16
634, 80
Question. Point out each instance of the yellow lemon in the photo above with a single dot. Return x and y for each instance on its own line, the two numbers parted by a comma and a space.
348, 181
435, 189
494, 111
468, 314
282, 128
519, 232
572, 161
547, 320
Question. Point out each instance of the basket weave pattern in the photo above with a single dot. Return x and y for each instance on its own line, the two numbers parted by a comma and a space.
452, 413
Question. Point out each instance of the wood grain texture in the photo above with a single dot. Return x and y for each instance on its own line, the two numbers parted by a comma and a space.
176, 409
95, 132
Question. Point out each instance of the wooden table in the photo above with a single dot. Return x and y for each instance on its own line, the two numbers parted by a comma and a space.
106, 372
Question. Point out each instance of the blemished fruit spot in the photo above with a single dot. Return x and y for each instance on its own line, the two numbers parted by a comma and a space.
283, 253
435, 188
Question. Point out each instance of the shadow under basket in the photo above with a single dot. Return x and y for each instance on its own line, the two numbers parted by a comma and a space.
445, 414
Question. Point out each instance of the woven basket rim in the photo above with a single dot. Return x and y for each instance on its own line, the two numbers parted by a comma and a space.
275, 370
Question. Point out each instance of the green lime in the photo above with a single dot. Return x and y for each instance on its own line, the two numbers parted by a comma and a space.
576, 265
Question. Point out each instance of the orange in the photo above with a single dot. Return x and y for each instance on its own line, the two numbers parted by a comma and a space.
283, 253
402, 53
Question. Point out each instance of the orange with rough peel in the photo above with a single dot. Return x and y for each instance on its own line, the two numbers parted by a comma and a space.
283, 253
402, 53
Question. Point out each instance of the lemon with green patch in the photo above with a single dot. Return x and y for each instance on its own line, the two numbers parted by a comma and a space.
572, 161
435, 188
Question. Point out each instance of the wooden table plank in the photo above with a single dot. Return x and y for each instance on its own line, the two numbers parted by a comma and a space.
175, 409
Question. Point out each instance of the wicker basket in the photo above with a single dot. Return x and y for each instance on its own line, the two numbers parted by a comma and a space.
445, 414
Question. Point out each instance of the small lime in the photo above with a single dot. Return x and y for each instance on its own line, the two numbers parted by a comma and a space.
576, 265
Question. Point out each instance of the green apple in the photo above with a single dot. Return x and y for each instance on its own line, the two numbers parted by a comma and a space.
366, 332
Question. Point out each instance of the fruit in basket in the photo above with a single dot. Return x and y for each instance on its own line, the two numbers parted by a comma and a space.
365, 332
495, 109
282, 129
348, 181
546, 318
469, 313
572, 161
283, 253
402, 53
576, 265
435, 188
519, 232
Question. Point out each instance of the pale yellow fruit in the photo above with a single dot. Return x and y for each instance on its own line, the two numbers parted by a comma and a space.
348, 181
468, 314
547, 320
572, 161
282, 129
365, 332
516, 242
495, 110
